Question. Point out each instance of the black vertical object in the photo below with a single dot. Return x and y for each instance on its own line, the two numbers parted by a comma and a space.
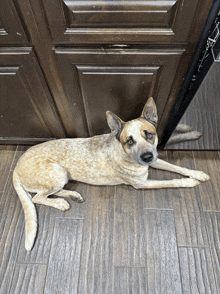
188, 88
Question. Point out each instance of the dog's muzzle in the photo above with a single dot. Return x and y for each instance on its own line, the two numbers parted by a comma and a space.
147, 157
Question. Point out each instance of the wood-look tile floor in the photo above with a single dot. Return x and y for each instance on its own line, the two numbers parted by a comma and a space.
120, 240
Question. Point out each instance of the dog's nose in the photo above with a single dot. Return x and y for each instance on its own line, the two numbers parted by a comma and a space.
147, 157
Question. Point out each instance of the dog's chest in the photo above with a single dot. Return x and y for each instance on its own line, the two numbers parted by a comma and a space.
133, 174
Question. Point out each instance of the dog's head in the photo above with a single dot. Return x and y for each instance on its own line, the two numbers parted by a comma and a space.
138, 137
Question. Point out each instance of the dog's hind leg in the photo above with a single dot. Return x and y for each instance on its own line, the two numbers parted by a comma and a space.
194, 135
70, 194
182, 128
56, 203
54, 178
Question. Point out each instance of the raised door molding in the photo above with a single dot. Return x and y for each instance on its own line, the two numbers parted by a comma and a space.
98, 80
119, 14
121, 21
123, 88
26, 107
11, 30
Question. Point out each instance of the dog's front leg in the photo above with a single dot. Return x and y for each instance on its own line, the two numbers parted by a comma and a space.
195, 174
176, 183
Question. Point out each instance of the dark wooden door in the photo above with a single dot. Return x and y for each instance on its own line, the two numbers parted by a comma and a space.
27, 111
90, 56
126, 52
98, 80
123, 21
11, 29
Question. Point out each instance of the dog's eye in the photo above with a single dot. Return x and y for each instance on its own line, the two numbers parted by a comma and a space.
148, 135
130, 142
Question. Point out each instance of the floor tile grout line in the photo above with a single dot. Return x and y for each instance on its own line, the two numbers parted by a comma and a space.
212, 211
82, 246
9, 171
178, 255
17, 253
6, 182
80, 259
159, 209
49, 256
211, 253
123, 266
16, 150
66, 217
113, 243
193, 246
144, 210
30, 263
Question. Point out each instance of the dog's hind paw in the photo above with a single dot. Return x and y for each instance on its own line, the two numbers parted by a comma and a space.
75, 196
61, 204
194, 135
80, 200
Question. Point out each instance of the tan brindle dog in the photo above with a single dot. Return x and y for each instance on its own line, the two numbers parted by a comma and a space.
121, 157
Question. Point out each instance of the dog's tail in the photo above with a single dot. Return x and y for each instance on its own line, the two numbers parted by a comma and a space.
29, 212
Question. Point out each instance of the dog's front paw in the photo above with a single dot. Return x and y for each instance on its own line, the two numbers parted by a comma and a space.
199, 175
188, 182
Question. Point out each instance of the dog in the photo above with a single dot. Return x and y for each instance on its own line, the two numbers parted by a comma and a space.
120, 157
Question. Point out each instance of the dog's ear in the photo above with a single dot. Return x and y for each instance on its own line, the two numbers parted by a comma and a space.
150, 112
115, 123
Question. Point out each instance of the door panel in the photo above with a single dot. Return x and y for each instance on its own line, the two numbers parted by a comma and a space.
120, 89
26, 107
116, 80
120, 21
118, 13
11, 31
